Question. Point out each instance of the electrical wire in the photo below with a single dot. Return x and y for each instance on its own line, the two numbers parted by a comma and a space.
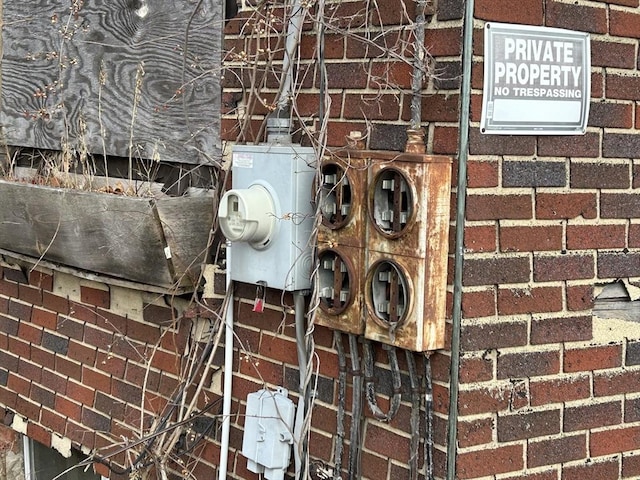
428, 411
355, 444
370, 388
415, 415
342, 391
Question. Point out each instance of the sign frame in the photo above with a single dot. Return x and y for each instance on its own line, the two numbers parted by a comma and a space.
537, 80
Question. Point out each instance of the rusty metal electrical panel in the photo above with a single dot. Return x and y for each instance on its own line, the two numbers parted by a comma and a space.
383, 246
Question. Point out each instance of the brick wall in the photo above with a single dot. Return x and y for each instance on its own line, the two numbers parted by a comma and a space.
547, 390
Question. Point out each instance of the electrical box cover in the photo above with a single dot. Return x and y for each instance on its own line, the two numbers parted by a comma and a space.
286, 172
268, 432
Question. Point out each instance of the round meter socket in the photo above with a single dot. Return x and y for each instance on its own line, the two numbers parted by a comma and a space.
388, 293
335, 196
391, 203
334, 282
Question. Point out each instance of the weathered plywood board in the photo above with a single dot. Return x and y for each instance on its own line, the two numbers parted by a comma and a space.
134, 78
121, 236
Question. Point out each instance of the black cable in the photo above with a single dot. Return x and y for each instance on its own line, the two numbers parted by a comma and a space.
428, 411
370, 388
355, 443
342, 391
415, 415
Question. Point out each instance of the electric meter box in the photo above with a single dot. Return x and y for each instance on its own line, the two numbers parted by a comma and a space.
268, 215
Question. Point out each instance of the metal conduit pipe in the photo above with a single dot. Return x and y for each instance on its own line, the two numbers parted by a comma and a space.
463, 154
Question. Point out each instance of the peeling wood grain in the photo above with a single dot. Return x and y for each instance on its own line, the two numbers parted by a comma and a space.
129, 77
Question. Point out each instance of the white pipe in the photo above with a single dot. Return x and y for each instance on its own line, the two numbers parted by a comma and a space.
301, 343
228, 374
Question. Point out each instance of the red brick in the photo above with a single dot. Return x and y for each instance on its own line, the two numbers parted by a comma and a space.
79, 393
480, 144
582, 237
546, 475
278, 348
44, 318
390, 74
42, 396
8, 288
549, 268
19, 348
528, 12
527, 425
559, 330
614, 383
494, 335
482, 174
55, 303
611, 115
587, 417
167, 362
528, 364
483, 400
556, 451
52, 420
579, 297
532, 300
576, 17
18, 384
30, 333
550, 206
480, 238
83, 313
616, 440
39, 434
29, 370
95, 296
621, 87
592, 358
111, 322
30, 294
499, 207
630, 466
496, 270
437, 108
479, 304
27, 408
42, 357
387, 442
587, 145
443, 42
490, 461
19, 310
530, 239
559, 390
110, 364
143, 332
54, 382
96, 380
445, 141
372, 107
476, 369
83, 353
592, 470
41, 280
475, 432
98, 337
624, 23
68, 368
634, 235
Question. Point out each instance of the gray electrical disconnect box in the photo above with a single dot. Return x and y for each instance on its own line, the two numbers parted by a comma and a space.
268, 432
268, 215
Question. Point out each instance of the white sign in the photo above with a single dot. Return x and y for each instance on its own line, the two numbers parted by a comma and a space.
537, 80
